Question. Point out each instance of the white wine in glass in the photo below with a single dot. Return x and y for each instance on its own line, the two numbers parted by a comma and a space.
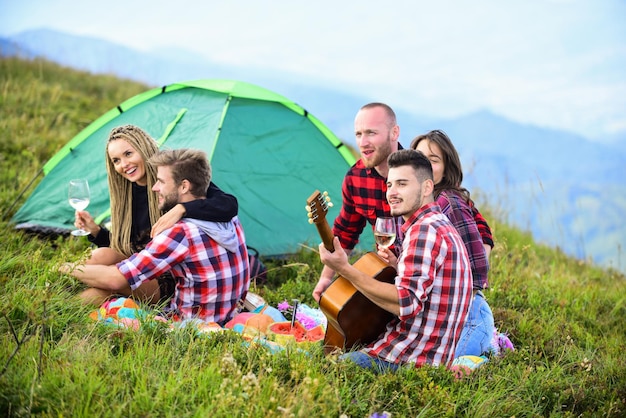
385, 231
78, 195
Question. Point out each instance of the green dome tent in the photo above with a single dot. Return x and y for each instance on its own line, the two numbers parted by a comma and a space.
264, 149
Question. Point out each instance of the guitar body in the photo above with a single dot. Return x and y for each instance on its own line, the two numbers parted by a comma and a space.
353, 319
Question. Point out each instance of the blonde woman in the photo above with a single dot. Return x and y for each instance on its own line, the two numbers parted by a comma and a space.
135, 213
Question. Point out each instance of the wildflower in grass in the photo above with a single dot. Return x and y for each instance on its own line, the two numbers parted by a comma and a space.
284, 411
229, 365
586, 364
383, 414
284, 306
249, 383
226, 384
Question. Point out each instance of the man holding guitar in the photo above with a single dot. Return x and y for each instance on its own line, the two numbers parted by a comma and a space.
431, 294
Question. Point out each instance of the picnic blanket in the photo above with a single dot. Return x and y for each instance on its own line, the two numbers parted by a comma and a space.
266, 325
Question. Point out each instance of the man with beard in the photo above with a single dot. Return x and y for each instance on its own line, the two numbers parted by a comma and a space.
364, 185
363, 189
431, 294
209, 260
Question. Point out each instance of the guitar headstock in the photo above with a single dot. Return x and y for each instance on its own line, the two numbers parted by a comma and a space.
317, 206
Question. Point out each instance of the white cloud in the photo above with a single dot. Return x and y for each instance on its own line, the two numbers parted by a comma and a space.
553, 63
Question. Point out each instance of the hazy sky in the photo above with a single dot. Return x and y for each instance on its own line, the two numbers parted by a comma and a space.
555, 63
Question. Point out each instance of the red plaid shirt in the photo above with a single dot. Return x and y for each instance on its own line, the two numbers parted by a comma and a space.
434, 284
364, 199
460, 214
211, 279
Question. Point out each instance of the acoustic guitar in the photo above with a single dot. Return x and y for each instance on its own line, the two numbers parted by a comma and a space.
353, 320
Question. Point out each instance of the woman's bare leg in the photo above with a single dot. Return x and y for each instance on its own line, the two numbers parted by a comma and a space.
148, 292
95, 296
105, 256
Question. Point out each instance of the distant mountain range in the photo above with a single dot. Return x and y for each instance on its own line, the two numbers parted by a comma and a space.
568, 191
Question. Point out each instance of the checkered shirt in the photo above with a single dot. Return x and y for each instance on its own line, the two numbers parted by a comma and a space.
460, 214
364, 199
210, 279
434, 290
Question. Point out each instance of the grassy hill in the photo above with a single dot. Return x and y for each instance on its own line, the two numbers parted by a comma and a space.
566, 317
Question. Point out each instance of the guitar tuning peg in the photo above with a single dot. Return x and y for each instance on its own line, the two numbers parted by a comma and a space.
310, 220
330, 204
325, 194
308, 208
309, 215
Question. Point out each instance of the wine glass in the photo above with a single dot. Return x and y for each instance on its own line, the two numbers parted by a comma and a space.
78, 195
385, 231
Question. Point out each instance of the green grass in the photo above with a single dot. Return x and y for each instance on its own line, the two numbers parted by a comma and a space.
566, 317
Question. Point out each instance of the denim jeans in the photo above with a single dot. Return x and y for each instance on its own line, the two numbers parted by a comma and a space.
478, 332
368, 362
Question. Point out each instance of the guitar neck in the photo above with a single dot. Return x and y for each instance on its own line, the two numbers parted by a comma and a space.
317, 206
326, 234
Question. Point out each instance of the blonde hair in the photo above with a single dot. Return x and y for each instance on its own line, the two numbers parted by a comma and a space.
121, 190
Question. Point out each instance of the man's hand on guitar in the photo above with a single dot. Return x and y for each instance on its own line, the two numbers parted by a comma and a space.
389, 256
335, 260
322, 284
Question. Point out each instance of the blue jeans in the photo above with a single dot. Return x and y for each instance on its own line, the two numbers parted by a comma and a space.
477, 335
368, 362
